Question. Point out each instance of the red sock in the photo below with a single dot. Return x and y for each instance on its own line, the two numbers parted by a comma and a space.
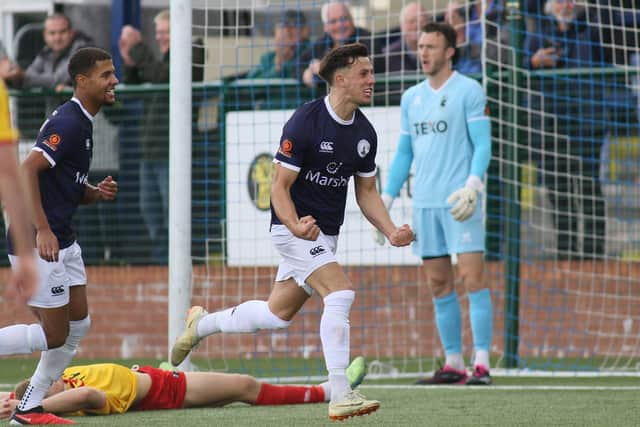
288, 394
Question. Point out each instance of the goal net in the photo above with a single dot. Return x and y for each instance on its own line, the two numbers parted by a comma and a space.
563, 235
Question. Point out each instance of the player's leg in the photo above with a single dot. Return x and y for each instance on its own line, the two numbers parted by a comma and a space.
288, 295
467, 240
330, 281
471, 268
285, 301
431, 245
70, 324
217, 389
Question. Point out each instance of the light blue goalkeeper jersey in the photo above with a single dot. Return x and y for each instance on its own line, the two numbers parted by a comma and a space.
436, 121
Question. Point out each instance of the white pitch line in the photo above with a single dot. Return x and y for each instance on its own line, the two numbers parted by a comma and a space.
501, 387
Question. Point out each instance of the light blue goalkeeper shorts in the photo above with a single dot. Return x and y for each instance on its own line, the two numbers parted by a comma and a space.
438, 234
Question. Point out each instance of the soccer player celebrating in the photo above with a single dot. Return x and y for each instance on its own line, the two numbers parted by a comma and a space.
56, 174
323, 144
444, 128
24, 278
108, 388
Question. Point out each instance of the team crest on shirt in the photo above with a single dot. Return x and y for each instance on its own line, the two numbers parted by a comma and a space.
286, 148
363, 147
443, 101
52, 141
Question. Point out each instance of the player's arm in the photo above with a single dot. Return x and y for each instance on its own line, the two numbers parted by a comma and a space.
374, 210
400, 167
105, 190
24, 278
464, 200
401, 164
46, 241
76, 399
283, 179
12, 195
68, 401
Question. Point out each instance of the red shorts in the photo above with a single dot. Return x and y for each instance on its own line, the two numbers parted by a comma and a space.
167, 391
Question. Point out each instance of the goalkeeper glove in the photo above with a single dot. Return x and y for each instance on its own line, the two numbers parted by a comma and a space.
465, 199
378, 236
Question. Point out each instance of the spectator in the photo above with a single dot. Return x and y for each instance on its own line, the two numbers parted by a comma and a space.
468, 51
339, 29
290, 41
49, 68
401, 55
142, 67
571, 151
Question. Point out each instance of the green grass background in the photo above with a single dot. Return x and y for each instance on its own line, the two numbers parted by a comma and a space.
411, 406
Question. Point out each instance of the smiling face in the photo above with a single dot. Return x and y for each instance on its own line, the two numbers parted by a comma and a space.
339, 23
99, 83
434, 53
57, 33
357, 81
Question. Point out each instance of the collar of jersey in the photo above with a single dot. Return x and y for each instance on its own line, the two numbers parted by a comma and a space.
334, 116
444, 85
86, 113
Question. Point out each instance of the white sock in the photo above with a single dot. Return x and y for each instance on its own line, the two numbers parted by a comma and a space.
455, 361
482, 358
334, 333
52, 364
249, 316
22, 339
327, 390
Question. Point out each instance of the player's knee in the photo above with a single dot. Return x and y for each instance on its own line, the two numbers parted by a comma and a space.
248, 388
472, 282
440, 286
281, 318
55, 338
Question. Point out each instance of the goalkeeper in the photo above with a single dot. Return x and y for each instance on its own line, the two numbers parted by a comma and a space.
445, 131
109, 388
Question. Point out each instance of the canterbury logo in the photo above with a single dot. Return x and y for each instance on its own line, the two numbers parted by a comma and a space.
317, 251
57, 290
326, 147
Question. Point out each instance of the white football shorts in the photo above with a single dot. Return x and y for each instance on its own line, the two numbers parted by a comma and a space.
55, 278
300, 258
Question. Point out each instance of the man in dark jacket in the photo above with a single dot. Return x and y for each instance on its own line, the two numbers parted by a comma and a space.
49, 68
339, 29
141, 66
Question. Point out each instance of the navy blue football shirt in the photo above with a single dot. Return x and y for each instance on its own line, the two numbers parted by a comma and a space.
326, 151
66, 141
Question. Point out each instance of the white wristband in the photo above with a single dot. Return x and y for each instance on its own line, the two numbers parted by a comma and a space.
475, 183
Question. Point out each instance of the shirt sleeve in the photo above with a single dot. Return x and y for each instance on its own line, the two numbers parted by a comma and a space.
53, 141
293, 144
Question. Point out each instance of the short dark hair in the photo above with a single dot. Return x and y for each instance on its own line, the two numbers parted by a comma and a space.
340, 57
447, 31
84, 59
59, 15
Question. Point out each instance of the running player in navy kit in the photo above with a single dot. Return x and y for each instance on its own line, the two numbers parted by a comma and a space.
325, 142
56, 173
